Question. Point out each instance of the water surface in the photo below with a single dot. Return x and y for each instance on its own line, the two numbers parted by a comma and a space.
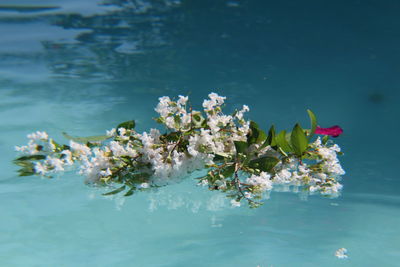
82, 67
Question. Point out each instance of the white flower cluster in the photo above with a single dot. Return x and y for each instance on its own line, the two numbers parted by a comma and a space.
341, 253
37, 141
262, 181
174, 114
194, 140
320, 177
292, 173
162, 158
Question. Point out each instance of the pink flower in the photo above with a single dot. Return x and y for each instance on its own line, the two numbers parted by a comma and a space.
333, 131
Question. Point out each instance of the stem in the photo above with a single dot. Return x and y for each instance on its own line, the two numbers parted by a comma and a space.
238, 183
176, 144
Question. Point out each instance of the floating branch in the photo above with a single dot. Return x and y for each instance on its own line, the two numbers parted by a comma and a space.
237, 156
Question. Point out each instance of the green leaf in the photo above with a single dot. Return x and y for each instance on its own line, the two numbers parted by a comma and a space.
256, 135
228, 171
241, 147
270, 141
160, 120
130, 192
177, 119
313, 120
30, 157
84, 140
197, 119
299, 140
221, 156
26, 171
116, 191
282, 142
141, 177
325, 139
129, 125
25, 164
171, 137
264, 163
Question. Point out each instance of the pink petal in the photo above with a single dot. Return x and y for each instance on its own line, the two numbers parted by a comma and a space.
333, 131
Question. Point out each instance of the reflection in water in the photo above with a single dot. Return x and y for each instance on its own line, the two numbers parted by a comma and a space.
126, 42
154, 46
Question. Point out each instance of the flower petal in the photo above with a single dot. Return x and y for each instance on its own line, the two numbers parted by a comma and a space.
333, 131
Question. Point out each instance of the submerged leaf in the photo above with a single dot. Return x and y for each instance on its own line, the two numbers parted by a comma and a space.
26, 171
130, 192
116, 191
84, 140
25, 164
30, 157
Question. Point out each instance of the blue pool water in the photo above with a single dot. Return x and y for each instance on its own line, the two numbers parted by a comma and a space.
84, 66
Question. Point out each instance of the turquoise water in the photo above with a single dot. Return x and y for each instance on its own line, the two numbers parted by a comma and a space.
84, 66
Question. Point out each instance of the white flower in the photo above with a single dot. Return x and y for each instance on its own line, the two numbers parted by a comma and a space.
80, 149
131, 152
20, 148
203, 182
235, 203
240, 113
186, 119
170, 122
263, 181
218, 99
106, 173
38, 136
144, 185
314, 188
117, 149
40, 168
56, 163
215, 101
67, 157
248, 195
333, 167
332, 189
163, 107
320, 176
283, 176
147, 139
122, 131
335, 148
31, 148
341, 253
111, 132
155, 133
317, 142
182, 100
304, 169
